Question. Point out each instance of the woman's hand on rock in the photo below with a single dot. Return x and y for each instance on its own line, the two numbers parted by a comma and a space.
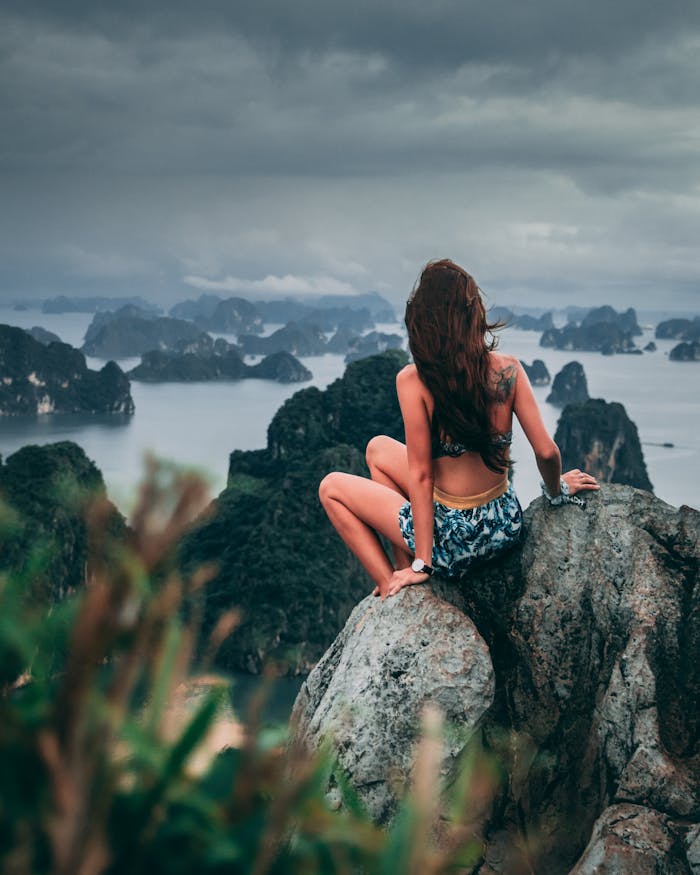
403, 577
579, 481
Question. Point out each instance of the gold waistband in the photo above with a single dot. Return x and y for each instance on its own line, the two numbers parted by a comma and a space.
465, 502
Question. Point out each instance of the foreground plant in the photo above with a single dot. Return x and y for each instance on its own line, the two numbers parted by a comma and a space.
117, 754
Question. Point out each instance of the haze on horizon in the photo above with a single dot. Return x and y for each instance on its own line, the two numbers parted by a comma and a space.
267, 149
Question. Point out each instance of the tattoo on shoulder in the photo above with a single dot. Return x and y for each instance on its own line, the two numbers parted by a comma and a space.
504, 380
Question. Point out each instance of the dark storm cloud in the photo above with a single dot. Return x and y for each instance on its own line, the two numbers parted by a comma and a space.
158, 144
412, 32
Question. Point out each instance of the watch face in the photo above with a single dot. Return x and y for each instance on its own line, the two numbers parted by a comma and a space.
417, 565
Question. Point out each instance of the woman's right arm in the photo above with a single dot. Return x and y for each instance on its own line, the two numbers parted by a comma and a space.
547, 453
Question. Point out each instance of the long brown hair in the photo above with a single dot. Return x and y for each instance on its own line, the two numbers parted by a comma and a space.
447, 336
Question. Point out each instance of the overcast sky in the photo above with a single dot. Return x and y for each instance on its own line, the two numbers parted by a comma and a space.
266, 146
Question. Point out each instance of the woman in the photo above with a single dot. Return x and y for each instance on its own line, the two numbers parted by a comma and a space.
443, 499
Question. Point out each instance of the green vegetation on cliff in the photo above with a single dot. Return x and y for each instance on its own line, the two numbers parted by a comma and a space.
44, 494
280, 562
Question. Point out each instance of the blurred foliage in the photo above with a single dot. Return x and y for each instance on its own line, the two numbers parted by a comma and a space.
280, 562
115, 759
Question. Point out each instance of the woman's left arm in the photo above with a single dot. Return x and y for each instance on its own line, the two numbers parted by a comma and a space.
416, 420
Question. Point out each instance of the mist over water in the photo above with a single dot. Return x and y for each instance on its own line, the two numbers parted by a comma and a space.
199, 424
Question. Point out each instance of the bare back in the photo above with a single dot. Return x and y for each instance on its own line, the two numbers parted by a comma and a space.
467, 474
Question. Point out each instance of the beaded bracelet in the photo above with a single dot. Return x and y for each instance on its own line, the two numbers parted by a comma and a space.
564, 496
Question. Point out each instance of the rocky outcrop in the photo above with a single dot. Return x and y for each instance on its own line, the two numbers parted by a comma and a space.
121, 334
593, 629
104, 317
570, 386
626, 322
54, 378
367, 692
372, 344
42, 335
523, 321
686, 352
679, 329
270, 512
379, 308
232, 316
604, 337
598, 437
282, 367
537, 372
205, 360
295, 338
650, 347
200, 308
50, 488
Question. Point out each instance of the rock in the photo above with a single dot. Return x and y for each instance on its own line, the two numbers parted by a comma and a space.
42, 335
570, 386
341, 341
632, 840
333, 318
232, 316
599, 437
626, 322
537, 372
50, 487
281, 367
379, 308
201, 308
686, 352
327, 318
525, 322
367, 693
372, 344
121, 336
104, 317
206, 359
679, 329
605, 337
271, 507
593, 627
295, 338
650, 347
54, 378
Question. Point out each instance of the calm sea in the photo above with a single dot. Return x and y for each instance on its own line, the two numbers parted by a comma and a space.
198, 424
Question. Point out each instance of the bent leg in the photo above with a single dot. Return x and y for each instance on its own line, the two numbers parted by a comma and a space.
387, 461
359, 508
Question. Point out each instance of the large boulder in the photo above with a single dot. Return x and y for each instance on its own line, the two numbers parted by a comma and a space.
593, 628
367, 693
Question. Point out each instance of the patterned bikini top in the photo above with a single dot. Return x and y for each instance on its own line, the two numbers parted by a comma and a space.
454, 448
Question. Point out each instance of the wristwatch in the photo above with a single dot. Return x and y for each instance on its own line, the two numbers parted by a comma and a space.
418, 565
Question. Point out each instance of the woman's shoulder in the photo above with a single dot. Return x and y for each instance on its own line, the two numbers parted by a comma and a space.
407, 375
504, 371
408, 380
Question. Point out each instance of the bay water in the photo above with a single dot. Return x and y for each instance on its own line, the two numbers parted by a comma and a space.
197, 425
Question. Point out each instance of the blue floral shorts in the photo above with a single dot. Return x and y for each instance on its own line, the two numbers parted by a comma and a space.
461, 537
